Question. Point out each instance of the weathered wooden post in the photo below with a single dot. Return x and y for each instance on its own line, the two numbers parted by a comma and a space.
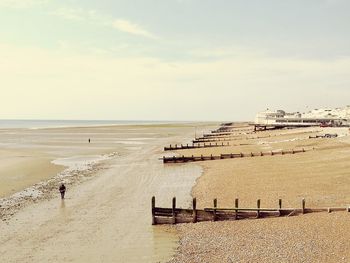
280, 203
215, 206
194, 214
173, 210
153, 210
258, 206
303, 206
236, 206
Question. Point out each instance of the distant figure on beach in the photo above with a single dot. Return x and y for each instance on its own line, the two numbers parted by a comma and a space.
62, 190
89, 140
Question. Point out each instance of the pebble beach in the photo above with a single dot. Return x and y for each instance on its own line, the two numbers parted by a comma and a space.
320, 175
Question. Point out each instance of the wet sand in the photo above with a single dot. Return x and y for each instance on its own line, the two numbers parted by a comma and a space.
105, 218
320, 175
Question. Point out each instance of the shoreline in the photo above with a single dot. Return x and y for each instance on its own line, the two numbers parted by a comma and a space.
71, 175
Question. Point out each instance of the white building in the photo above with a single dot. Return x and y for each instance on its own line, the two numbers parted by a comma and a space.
279, 118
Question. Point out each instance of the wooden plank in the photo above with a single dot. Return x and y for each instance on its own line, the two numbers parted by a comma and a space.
153, 210
194, 214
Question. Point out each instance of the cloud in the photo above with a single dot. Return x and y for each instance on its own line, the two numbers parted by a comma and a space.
98, 86
131, 28
70, 14
93, 17
22, 3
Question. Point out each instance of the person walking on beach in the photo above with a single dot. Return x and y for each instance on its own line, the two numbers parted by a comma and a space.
62, 189
89, 140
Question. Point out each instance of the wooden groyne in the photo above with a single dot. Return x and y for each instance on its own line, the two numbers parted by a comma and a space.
234, 138
219, 135
204, 140
184, 159
194, 146
176, 215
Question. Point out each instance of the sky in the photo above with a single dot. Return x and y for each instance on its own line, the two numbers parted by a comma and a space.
181, 60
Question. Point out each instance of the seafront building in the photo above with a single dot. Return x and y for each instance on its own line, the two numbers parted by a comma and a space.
270, 119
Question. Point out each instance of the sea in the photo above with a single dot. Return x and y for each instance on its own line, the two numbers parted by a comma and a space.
37, 124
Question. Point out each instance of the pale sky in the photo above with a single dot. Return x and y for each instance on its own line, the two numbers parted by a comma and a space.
171, 59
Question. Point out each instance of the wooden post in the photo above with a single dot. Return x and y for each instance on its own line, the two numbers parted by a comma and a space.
194, 214
154, 222
236, 206
173, 210
303, 206
258, 206
215, 206
280, 203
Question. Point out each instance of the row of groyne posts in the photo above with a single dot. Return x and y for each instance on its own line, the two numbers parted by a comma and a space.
192, 158
217, 143
176, 215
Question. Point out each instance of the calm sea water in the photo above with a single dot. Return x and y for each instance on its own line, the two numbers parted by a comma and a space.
36, 124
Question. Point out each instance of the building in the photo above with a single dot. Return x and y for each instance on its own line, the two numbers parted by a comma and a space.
269, 119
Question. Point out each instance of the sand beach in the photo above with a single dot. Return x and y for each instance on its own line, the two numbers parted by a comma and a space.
105, 216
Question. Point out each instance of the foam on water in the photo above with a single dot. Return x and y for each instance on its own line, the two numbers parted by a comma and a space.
76, 166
